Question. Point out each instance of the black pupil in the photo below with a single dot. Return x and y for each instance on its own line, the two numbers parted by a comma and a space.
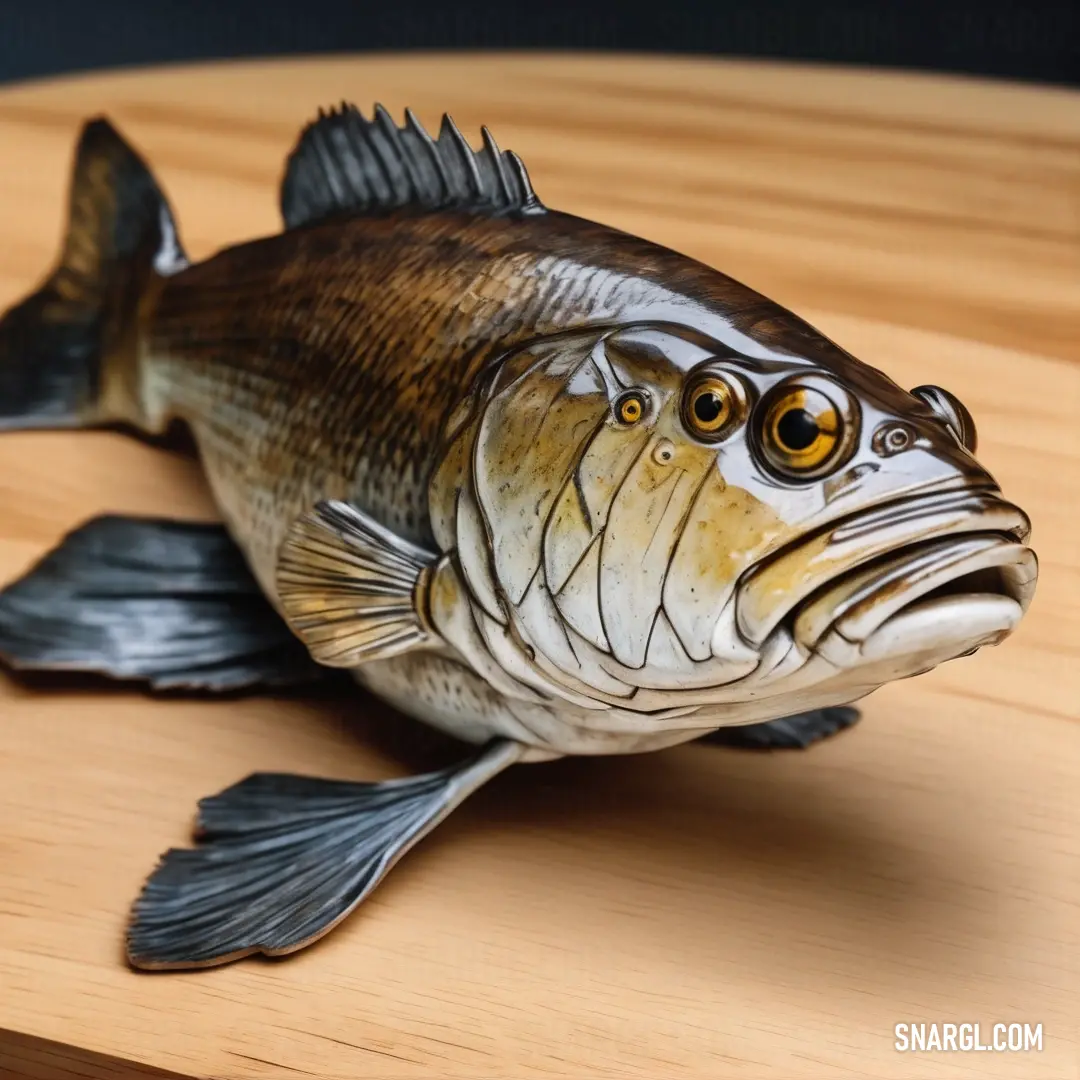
708, 406
797, 429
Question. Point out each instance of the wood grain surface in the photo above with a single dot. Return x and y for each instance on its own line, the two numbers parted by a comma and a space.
698, 912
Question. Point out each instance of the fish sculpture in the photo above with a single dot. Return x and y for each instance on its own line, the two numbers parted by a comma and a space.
550, 488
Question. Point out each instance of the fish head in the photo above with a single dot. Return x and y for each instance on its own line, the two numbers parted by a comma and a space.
670, 524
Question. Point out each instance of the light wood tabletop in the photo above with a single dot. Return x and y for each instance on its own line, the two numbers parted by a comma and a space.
697, 912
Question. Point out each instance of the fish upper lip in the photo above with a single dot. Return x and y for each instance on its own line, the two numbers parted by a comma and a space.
929, 504
781, 584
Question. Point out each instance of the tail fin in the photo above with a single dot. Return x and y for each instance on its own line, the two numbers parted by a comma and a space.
54, 345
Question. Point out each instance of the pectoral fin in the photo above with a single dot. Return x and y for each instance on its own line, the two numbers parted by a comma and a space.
283, 859
169, 603
351, 589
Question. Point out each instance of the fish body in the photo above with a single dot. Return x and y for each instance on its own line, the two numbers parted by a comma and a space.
531, 479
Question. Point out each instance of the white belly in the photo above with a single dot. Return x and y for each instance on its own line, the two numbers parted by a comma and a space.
450, 697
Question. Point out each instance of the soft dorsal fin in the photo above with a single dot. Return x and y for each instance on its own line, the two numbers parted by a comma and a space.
345, 164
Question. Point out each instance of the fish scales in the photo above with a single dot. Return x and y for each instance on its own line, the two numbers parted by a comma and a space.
400, 283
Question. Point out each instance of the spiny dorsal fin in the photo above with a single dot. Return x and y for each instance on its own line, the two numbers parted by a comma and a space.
348, 586
345, 164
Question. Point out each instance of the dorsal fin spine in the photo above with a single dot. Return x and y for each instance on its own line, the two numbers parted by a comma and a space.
387, 130
491, 148
532, 202
323, 149
373, 140
418, 129
449, 131
345, 164
370, 182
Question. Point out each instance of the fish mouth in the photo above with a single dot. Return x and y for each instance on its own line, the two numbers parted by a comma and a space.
938, 575
939, 599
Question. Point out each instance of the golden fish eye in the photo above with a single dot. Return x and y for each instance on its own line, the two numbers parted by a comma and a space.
630, 408
803, 431
711, 407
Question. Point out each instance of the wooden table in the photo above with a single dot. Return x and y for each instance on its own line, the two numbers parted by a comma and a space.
697, 912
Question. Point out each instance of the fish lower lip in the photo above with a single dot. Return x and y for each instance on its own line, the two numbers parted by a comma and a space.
783, 584
984, 569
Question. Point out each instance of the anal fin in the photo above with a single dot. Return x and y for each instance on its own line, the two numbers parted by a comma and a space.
788, 733
350, 588
283, 859
169, 603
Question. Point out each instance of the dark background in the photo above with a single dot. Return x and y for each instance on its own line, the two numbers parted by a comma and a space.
1034, 40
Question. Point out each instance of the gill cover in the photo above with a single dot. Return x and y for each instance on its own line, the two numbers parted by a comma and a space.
587, 531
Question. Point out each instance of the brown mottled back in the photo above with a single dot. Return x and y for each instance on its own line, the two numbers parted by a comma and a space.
323, 363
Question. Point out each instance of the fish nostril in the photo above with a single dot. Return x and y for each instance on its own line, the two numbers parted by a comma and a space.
663, 452
893, 437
